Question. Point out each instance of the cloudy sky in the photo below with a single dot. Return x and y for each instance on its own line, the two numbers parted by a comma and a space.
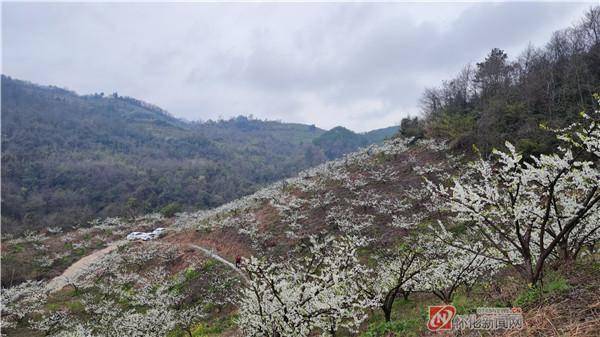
360, 65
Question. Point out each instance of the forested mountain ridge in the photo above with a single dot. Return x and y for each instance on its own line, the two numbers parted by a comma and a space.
507, 96
69, 158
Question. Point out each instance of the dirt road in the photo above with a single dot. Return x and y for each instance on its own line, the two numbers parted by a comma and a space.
79, 268
217, 257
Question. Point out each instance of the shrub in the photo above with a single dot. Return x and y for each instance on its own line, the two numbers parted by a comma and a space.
170, 210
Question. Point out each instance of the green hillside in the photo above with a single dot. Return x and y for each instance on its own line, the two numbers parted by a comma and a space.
68, 158
340, 140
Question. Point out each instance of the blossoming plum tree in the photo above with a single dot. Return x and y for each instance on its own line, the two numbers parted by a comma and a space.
21, 301
527, 210
316, 293
451, 266
398, 271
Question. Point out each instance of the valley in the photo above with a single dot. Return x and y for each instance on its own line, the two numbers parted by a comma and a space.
68, 158
356, 195
478, 214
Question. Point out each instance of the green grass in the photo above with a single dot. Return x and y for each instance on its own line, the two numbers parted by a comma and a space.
208, 329
190, 274
408, 319
66, 299
17, 248
81, 251
204, 329
559, 284
209, 264
7, 257
555, 284
75, 306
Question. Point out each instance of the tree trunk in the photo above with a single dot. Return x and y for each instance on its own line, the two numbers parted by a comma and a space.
388, 303
527, 272
405, 294
444, 295
387, 312
535, 274
564, 252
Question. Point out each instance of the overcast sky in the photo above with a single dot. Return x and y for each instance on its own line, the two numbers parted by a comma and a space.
363, 66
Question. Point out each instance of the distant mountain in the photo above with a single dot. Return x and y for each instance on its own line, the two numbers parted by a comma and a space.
339, 140
68, 158
379, 135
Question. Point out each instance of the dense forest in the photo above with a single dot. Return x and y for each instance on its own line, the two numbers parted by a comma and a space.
499, 98
69, 158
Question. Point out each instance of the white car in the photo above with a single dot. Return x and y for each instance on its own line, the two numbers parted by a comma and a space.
145, 236
133, 235
139, 236
158, 232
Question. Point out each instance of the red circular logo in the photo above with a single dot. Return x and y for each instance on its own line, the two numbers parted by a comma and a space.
440, 317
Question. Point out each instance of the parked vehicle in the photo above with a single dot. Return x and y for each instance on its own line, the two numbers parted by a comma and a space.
158, 232
145, 236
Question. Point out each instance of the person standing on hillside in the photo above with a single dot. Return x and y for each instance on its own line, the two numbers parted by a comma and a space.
238, 261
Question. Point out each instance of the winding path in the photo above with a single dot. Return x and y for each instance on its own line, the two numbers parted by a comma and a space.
79, 267
217, 257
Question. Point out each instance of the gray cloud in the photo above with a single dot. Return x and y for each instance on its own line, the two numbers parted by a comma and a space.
359, 65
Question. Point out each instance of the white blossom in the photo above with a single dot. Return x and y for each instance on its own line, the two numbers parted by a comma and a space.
528, 209
316, 293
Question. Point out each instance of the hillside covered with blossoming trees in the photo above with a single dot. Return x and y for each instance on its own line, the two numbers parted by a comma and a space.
490, 200
359, 245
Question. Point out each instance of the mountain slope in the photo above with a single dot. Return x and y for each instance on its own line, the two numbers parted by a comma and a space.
368, 191
360, 192
376, 192
339, 140
379, 135
68, 158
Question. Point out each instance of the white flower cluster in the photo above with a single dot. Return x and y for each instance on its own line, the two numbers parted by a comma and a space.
348, 222
451, 265
435, 145
319, 292
119, 298
54, 230
28, 236
428, 169
20, 301
527, 210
